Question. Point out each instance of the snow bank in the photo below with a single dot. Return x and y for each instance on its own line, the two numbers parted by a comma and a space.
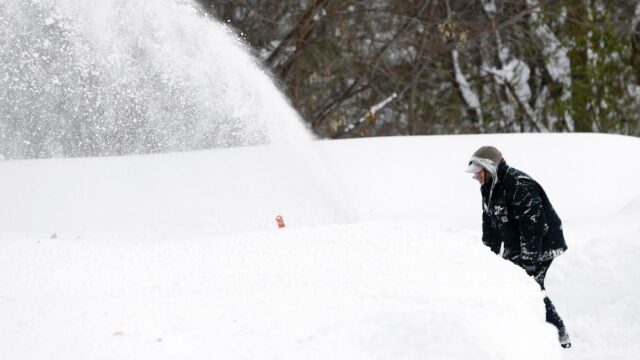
226, 190
243, 189
365, 291
177, 255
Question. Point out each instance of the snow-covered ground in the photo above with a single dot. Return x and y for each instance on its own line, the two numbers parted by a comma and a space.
178, 255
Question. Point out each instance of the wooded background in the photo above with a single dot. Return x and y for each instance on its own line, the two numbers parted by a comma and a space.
403, 67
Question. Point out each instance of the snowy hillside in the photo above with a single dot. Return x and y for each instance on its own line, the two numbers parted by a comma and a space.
178, 255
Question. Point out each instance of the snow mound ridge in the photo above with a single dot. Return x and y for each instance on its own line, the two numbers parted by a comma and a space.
244, 189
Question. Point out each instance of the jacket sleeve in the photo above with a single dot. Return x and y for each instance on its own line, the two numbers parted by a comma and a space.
529, 212
489, 237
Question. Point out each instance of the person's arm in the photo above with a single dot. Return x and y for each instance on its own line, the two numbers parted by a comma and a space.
489, 237
529, 212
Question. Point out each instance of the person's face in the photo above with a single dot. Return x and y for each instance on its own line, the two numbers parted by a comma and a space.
480, 176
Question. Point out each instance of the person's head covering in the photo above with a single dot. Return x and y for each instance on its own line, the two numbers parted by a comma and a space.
486, 157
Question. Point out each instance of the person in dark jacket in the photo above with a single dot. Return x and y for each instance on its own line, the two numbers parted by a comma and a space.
518, 217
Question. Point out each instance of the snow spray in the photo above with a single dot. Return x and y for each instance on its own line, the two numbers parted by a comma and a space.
115, 77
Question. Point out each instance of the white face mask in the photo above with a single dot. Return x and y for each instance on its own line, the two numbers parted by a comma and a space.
480, 177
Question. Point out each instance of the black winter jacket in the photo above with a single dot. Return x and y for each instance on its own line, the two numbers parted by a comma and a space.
518, 214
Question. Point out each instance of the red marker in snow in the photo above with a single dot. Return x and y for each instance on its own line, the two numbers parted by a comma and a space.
280, 221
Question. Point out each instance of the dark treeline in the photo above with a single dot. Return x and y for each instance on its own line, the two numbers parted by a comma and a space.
402, 67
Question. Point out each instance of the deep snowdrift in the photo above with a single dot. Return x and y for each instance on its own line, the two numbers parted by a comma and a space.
178, 255
367, 291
